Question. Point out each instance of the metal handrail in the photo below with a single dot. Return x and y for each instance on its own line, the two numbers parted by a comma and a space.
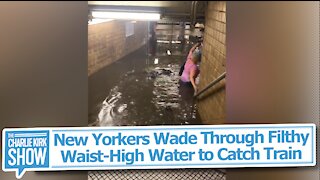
214, 82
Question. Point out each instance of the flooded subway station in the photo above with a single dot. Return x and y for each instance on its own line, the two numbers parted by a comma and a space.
143, 89
134, 65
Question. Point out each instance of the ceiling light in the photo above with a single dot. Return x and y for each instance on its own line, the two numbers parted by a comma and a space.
126, 15
98, 21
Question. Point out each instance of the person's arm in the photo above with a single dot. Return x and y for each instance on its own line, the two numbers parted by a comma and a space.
193, 80
194, 47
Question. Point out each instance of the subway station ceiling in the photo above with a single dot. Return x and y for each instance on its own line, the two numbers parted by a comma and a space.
171, 11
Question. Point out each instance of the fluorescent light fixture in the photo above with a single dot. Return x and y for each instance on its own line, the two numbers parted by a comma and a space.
162, 41
126, 15
156, 61
176, 42
98, 21
167, 42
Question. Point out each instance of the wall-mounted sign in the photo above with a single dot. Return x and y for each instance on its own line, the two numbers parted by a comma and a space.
129, 29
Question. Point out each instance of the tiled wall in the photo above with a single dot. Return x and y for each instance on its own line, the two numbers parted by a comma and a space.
107, 42
211, 105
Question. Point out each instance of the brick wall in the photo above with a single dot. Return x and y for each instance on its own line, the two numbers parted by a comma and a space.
211, 106
107, 42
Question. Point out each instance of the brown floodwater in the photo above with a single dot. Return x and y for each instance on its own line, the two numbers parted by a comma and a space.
142, 89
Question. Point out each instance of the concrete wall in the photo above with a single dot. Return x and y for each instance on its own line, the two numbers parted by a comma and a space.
107, 42
211, 105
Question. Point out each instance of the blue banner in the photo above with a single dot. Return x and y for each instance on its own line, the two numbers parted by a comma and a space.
158, 147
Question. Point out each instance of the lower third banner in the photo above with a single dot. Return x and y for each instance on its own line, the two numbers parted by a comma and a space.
158, 147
